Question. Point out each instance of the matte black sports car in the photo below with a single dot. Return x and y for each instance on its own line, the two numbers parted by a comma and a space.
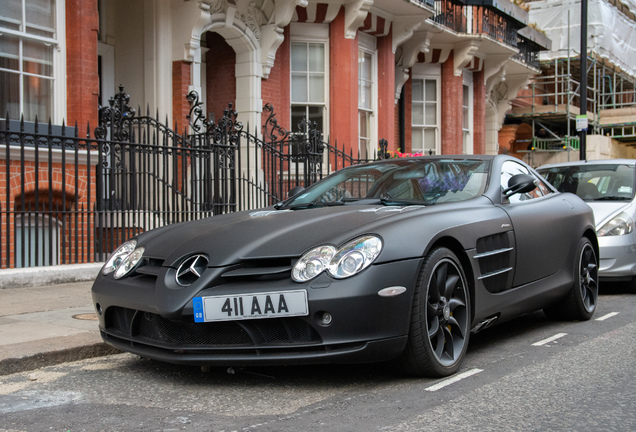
399, 260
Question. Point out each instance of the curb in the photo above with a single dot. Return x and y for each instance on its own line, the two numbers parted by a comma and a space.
23, 364
51, 275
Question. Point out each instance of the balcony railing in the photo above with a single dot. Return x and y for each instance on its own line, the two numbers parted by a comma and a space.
477, 20
528, 52
430, 3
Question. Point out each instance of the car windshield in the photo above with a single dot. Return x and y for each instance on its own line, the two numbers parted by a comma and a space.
593, 182
399, 182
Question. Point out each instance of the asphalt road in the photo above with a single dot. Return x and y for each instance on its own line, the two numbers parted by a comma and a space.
530, 374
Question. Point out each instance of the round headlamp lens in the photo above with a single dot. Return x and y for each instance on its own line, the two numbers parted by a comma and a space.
355, 256
313, 263
129, 263
117, 257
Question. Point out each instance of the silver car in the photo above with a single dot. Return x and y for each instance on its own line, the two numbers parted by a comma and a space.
608, 188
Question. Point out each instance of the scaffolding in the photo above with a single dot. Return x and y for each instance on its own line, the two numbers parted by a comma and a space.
551, 104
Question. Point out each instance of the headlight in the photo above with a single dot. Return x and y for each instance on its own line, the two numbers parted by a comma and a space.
313, 263
129, 263
619, 225
117, 257
341, 263
355, 256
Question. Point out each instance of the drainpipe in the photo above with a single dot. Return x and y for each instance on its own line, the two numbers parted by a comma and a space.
402, 121
583, 85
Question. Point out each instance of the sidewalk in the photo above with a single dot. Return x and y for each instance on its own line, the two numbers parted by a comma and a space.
47, 324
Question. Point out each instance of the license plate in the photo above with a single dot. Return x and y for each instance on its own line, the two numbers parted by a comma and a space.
250, 306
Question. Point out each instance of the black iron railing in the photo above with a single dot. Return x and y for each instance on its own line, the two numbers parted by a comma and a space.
477, 20
68, 198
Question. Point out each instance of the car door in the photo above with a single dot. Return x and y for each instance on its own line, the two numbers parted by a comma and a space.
540, 228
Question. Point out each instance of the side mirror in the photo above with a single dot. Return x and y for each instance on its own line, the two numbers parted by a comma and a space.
295, 191
520, 183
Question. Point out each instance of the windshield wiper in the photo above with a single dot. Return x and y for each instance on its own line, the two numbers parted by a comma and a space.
387, 200
612, 198
313, 204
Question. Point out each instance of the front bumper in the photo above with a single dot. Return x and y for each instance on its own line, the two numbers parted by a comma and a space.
365, 327
617, 257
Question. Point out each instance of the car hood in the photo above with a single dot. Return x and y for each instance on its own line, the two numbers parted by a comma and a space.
227, 239
603, 210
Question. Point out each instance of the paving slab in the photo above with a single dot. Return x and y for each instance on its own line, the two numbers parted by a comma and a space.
46, 325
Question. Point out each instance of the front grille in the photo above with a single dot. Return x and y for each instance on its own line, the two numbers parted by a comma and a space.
153, 329
260, 269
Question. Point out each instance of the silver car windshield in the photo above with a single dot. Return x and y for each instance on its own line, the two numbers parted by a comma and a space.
594, 182
399, 182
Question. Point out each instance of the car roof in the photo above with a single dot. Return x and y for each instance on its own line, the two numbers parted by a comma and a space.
591, 162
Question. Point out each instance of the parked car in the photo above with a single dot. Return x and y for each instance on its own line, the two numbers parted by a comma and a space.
398, 260
608, 187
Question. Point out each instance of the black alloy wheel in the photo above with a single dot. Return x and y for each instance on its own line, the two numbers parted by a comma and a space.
440, 318
580, 303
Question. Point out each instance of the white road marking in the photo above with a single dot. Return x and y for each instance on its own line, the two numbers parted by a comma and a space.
453, 380
550, 339
609, 315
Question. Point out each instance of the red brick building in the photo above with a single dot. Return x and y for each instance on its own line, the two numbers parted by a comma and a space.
433, 76
454, 66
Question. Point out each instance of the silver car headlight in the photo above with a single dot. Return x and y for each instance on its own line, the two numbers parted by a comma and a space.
355, 256
621, 224
117, 257
341, 263
313, 263
129, 263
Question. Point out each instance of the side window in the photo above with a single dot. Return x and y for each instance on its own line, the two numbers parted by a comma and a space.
509, 169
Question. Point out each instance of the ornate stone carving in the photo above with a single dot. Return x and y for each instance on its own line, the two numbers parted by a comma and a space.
355, 14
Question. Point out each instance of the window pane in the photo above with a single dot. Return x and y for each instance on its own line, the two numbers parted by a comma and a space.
315, 115
431, 90
417, 143
299, 88
316, 88
298, 114
431, 114
418, 90
364, 124
37, 58
299, 57
316, 57
466, 108
11, 14
40, 17
365, 68
364, 95
9, 52
9, 95
417, 114
37, 98
429, 139
365, 84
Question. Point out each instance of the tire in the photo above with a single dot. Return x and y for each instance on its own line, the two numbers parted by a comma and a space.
580, 303
440, 318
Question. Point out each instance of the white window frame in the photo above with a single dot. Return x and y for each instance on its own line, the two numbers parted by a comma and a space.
368, 45
424, 72
58, 96
312, 33
468, 132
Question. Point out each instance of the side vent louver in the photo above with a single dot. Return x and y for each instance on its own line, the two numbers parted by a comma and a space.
495, 255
